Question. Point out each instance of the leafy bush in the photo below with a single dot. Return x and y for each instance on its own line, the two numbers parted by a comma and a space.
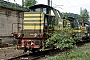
62, 39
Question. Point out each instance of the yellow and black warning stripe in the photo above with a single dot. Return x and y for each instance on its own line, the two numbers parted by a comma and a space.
33, 21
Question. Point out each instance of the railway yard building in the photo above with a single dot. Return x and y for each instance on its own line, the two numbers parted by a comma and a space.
10, 13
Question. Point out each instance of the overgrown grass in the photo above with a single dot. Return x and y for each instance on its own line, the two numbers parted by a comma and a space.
79, 53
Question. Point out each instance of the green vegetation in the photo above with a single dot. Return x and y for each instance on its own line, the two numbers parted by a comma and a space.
84, 15
29, 3
62, 39
66, 15
12, 6
80, 53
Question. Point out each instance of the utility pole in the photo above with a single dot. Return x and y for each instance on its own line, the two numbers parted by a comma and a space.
22, 3
23, 15
51, 2
48, 2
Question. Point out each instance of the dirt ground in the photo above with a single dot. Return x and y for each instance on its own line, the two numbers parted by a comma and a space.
7, 53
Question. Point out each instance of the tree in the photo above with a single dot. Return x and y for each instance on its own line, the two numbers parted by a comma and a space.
84, 15
64, 15
28, 3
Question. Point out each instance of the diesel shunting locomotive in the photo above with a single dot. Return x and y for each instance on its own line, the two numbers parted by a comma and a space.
38, 23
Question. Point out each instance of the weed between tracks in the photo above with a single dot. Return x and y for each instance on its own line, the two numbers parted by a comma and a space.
79, 53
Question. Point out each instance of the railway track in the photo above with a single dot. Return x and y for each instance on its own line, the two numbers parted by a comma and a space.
36, 55
43, 54
83, 42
